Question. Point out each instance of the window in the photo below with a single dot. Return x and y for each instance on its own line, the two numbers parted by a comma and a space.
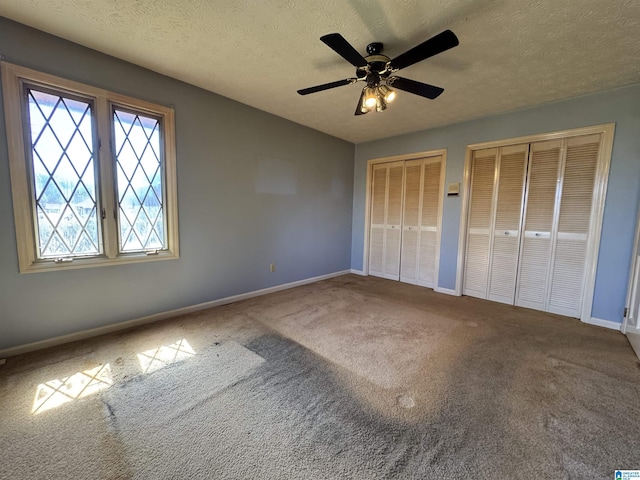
93, 174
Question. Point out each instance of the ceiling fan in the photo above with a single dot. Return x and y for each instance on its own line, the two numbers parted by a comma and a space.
378, 70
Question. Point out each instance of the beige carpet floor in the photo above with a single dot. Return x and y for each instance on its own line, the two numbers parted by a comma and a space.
349, 378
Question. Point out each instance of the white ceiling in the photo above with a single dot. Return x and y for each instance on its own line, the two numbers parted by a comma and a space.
512, 53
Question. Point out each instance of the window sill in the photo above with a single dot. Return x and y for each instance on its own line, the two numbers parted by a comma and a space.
97, 262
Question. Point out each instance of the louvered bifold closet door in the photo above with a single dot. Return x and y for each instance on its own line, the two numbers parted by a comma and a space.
540, 204
512, 163
393, 223
378, 214
572, 238
386, 219
411, 221
480, 222
430, 222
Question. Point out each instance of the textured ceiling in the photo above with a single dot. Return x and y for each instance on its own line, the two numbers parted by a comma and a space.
512, 53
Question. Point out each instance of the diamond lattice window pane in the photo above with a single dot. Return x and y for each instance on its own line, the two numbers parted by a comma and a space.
139, 179
64, 187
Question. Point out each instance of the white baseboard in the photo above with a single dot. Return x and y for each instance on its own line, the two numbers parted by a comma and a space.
633, 335
115, 327
358, 272
604, 323
447, 291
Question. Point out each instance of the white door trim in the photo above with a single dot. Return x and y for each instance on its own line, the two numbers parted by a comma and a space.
367, 210
633, 277
464, 218
597, 213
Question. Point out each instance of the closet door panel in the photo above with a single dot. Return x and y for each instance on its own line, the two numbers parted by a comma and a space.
534, 269
431, 198
568, 275
506, 242
393, 233
392, 253
411, 221
376, 251
540, 207
409, 255
480, 223
578, 180
378, 212
503, 268
427, 266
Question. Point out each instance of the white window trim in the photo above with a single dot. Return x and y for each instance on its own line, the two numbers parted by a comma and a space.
12, 79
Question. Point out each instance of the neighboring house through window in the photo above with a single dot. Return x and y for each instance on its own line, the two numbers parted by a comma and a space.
93, 173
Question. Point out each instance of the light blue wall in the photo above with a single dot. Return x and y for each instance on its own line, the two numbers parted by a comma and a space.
252, 189
621, 106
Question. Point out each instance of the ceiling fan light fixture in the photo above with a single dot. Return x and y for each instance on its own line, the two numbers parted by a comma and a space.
370, 97
362, 107
381, 103
387, 93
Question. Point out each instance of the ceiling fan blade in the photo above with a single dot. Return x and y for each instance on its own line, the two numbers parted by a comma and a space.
435, 45
338, 44
326, 86
417, 88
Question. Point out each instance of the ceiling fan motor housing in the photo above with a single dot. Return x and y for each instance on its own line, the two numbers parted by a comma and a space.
374, 48
377, 62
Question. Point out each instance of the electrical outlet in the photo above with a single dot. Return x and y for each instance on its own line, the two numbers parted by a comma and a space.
272, 267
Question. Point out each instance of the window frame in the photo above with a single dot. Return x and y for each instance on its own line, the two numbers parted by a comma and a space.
13, 79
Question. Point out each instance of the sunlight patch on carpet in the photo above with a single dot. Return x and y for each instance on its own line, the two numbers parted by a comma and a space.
57, 392
160, 357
